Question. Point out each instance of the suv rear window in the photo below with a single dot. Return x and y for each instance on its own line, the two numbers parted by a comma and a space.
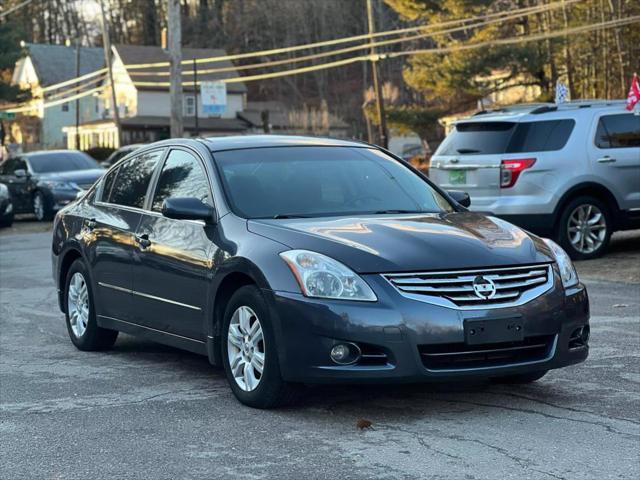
477, 138
486, 138
618, 131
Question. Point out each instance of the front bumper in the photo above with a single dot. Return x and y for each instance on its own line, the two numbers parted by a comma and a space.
401, 329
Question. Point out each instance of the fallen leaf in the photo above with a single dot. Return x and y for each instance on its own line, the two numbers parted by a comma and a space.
363, 424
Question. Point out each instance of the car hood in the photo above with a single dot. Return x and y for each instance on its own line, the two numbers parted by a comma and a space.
397, 243
81, 177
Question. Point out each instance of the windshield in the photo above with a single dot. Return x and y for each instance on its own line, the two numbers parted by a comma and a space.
61, 162
322, 181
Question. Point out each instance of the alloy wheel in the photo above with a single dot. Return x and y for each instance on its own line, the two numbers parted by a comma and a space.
78, 304
587, 228
38, 206
245, 348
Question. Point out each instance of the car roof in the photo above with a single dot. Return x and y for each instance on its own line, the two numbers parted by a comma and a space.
218, 144
544, 111
48, 152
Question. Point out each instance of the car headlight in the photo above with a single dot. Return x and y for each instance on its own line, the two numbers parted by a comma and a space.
323, 277
61, 185
4, 191
568, 272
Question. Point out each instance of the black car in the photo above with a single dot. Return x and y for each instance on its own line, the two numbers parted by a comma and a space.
6, 206
43, 182
120, 154
294, 260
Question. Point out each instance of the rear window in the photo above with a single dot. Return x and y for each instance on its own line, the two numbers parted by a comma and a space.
618, 131
477, 138
486, 138
129, 185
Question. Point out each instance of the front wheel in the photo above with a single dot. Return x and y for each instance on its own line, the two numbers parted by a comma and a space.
41, 207
584, 228
83, 329
249, 352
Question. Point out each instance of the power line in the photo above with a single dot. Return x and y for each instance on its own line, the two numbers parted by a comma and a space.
17, 7
500, 16
534, 9
315, 56
504, 41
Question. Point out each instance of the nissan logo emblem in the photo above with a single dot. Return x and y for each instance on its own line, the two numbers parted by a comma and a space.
484, 287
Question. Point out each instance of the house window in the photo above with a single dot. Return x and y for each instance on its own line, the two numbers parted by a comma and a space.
189, 105
65, 107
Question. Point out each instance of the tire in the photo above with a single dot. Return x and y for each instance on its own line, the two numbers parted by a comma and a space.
598, 218
7, 221
270, 391
522, 378
41, 207
83, 330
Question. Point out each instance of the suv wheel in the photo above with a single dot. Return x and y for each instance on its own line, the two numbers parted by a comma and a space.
584, 228
249, 352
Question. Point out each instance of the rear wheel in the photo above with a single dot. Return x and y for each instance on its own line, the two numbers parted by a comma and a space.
585, 227
249, 353
521, 378
83, 329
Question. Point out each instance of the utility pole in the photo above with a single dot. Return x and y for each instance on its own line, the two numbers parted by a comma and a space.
195, 93
77, 99
377, 87
106, 42
175, 61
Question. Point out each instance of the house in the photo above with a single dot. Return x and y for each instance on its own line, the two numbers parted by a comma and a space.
43, 66
276, 117
144, 103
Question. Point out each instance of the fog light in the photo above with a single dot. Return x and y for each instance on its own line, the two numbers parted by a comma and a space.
584, 335
345, 353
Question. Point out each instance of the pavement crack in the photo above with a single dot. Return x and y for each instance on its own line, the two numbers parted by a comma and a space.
608, 428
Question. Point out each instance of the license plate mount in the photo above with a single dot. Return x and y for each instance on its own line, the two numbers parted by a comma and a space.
493, 330
457, 177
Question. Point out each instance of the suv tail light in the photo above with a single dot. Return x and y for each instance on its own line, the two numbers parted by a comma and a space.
510, 170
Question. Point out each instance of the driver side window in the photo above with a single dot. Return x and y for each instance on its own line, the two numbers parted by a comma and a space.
182, 175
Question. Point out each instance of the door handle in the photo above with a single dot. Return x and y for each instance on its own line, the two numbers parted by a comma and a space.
91, 224
143, 241
606, 159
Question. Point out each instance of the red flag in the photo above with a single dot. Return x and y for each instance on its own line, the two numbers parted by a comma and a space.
634, 93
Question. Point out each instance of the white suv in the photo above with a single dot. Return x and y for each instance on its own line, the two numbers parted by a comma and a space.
570, 171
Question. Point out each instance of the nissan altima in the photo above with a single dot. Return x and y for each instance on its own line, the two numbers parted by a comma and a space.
294, 260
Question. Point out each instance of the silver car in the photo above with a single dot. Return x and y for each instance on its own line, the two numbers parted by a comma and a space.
569, 171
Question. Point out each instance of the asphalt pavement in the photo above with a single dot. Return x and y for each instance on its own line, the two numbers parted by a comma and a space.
145, 411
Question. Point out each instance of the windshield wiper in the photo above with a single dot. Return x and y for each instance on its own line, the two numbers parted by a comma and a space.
467, 150
280, 216
382, 212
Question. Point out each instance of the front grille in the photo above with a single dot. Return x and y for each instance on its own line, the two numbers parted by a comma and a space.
456, 288
457, 356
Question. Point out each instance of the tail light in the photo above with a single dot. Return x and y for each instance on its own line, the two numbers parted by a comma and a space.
510, 170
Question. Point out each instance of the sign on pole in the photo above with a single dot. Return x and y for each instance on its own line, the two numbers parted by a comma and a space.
214, 97
7, 115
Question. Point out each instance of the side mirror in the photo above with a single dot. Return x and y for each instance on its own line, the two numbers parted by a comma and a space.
188, 208
21, 173
461, 197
